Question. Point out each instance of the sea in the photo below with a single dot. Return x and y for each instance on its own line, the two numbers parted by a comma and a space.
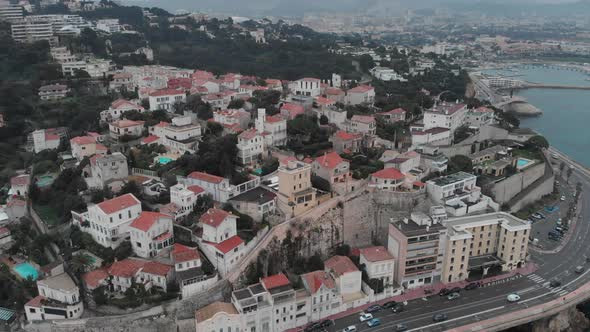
566, 113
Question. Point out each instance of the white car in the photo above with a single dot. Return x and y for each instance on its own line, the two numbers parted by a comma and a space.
562, 198
351, 328
513, 298
365, 317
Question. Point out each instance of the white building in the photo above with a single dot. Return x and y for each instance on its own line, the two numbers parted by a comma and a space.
306, 86
216, 186
86, 146
122, 80
232, 117
218, 316
183, 200
19, 185
445, 115
274, 128
53, 92
362, 94
219, 241
379, 264
178, 137
251, 147
362, 124
165, 99
62, 54
108, 222
27, 31
118, 108
325, 299
110, 25
387, 74
151, 233
59, 298
106, 169
348, 280
45, 139
94, 67
479, 117
10, 12
459, 194
390, 179
129, 128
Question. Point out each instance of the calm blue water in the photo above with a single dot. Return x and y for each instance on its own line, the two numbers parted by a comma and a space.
566, 113
26, 270
522, 162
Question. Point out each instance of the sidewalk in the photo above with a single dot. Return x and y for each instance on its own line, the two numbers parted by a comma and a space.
420, 292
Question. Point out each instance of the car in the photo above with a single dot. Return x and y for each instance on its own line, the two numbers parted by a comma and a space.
312, 327
562, 198
350, 328
579, 269
398, 308
455, 290
453, 296
537, 215
365, 317
558, 222
374, 322
389, 304
401, 327
588, 259
472, 285
443, 292
374, 308
513, 297
554, 283
440, 317
559, 229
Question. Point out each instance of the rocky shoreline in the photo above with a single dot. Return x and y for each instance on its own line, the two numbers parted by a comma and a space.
523, 109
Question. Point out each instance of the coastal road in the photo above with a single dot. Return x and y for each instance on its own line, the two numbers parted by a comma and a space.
489, 302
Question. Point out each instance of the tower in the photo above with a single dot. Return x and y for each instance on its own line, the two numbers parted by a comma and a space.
260, 119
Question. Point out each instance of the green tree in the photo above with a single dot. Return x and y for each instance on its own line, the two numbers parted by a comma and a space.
537, 142
460, 163
324, 120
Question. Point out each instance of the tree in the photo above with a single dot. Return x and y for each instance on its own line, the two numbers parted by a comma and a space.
461, 133
569, 173
537, 142
80, 263
366, 62
324, 120
236, 103
270, 165
131, 187
460, 163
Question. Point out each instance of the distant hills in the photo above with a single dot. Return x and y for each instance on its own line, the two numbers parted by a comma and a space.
378, 7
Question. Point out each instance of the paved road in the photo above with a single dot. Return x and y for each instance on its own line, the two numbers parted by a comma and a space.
488, 302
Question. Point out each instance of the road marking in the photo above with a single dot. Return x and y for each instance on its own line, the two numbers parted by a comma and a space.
456, 319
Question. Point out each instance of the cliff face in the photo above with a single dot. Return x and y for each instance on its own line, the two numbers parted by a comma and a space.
571, 320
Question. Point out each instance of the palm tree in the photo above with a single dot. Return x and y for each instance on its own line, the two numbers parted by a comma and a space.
80, 263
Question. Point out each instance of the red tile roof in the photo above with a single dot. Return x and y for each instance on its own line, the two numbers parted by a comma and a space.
94, 278
274, 281
447, 108
330, 160
248, 134
35, 302
211, 310
146, 220
394, 111
122, 103
51, 137
166, 92
274, 118
118, 203
150, 139
83, 140
361, 89
16, 201
341, 134
20, 180
324, 101
376, 254
126, 268
214, 217
229, 244
310, 79
195, 189
127, 123
4, 230
292, 109
419, 184
316, 279
363, 118
340, 265
156, 268
334, 91
182, 253
206, 177
388, 173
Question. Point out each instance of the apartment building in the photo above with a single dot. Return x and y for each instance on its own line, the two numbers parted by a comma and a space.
219, 240
379, 265
393, 116
273, 128
480, 244
251, 147
216, 186
418, 244
232, 117
332, 168
165, 99
105, 169
46, 139
53, 92
362, 94
11, 12
118, 108
306, 86
362, 124
108, 222
178, 137
445, 115
27, 31
128, 128
94, 67
86, 146
296, 194
345, 142
183, 200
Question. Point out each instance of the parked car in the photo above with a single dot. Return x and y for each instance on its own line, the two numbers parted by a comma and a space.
374, 308
440, 317
554, 283
562, 198
513, 298
537, 215
443, 292
453, 296
401, 327
389, 304
398, 308
472, 285
312, 327
455, 290
579, 269
374, 322
365, 317
350, 328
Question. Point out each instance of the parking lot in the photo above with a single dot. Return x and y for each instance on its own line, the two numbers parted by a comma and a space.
551, 214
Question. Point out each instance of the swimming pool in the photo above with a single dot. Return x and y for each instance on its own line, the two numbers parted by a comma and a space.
522, 163
164, 160
44, 180
26, 270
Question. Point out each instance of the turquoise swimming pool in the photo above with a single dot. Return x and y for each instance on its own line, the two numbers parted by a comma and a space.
164, 160
26, 270
45, 180
522, 162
